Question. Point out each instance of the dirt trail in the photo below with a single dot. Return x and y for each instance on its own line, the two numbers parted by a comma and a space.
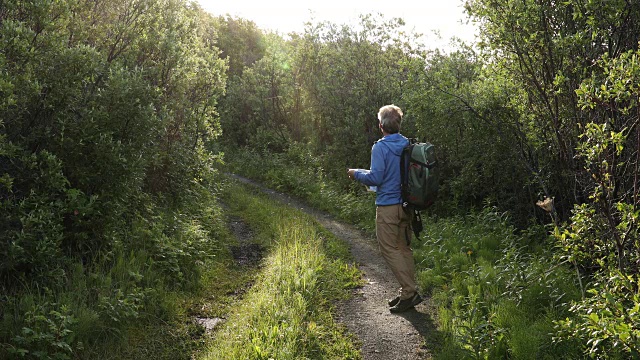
384, 336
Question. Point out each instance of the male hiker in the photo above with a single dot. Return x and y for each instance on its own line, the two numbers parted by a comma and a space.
392, 222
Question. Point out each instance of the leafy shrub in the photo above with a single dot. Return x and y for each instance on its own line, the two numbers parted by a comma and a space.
607, 321
602, 238
45, 335
103, 167
34, 209
496, 294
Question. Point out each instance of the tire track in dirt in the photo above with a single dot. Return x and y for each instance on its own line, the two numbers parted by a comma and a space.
383, 336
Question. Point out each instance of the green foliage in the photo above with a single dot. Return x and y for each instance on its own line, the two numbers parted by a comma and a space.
34, 223
258, 108
118, 131
45, 335
548, 49
241, 42
608, 321
603, 234
136, 285
497, 294
106, 108
470, 116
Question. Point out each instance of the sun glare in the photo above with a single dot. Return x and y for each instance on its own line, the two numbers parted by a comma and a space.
284, 16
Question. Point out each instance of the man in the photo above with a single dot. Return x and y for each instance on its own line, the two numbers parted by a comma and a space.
392, 222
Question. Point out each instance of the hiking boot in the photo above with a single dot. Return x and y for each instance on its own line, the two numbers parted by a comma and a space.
406, 304
393, 301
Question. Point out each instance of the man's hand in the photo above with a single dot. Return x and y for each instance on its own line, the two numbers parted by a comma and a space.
351, 173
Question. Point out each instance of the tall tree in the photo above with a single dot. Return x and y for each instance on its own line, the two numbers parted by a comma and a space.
107, 104
548, 47
347, 74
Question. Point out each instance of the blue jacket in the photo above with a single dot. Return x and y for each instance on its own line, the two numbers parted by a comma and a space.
385, 169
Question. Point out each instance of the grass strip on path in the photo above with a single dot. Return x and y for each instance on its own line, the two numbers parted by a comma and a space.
287, 314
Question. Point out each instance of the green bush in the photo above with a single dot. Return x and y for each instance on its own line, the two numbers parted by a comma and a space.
45, 335
105, 181
607, 321
497, 293
37, 203
601, 239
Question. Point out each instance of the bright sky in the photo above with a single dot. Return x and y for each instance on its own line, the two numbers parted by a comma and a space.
284, 16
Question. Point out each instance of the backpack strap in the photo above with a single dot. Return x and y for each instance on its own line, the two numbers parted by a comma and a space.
416, 223
404, 164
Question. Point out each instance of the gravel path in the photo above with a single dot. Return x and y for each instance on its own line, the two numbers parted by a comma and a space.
383, 336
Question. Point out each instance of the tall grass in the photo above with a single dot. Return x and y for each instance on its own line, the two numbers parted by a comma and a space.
287, 313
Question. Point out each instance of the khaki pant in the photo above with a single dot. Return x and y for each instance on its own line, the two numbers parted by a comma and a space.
394, 234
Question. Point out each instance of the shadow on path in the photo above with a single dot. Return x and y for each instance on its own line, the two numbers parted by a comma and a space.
425, 326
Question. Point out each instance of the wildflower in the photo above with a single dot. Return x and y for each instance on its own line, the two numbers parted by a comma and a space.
546, 204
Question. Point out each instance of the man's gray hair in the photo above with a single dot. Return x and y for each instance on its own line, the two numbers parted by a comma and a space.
390, 117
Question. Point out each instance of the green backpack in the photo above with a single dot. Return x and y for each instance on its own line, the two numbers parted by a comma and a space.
419, 178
